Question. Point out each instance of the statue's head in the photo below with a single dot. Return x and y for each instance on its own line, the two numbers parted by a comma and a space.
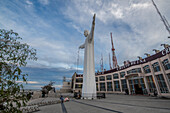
86, 33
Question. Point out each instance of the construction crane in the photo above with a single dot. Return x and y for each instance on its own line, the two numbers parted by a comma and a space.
78, 60
110, 62
101, 63
113, 54
164, 20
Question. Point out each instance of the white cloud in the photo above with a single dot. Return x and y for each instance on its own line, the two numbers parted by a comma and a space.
136, 25
46, 43
32, 82
37, 86
140, 5
44, 2
99, 2
29, 82
77, 28
29, 2
58, 86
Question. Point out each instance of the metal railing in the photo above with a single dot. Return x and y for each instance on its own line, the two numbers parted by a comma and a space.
164, 90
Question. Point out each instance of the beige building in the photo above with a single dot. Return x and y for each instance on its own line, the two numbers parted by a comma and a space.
142, 76
77, 82
66, 88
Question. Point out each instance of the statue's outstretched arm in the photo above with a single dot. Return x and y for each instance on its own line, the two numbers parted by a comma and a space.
82, 46
92, 29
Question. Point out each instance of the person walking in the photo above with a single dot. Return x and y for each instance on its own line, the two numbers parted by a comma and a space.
62, 99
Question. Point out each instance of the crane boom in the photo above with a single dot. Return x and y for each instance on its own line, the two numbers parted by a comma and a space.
110, 62
113, 54
101, 63
165, 22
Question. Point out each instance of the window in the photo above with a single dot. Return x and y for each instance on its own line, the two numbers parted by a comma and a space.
151, 83
168, 75
146, 69
102, 87
142, 84
128, 72
115, 76
102, 78
122, 74
79, 75
166, 64
161, 83
156, 67
136, 70
78, 86
136, 81
124, 85
109, 77
131, 85
79, 80
96, 79
109, 86
97, 87
116, 84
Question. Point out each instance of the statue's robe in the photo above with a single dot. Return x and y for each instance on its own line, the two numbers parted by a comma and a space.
89, 83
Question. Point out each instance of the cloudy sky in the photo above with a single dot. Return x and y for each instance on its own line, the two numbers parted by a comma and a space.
55, 28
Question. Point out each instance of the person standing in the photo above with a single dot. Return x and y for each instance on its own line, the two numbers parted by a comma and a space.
62, 99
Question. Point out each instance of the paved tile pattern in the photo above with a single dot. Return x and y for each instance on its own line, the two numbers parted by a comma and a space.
112, 104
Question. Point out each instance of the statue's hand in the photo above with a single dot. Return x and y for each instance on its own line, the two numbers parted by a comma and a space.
94, 19
93, 22
94, 16
81, 47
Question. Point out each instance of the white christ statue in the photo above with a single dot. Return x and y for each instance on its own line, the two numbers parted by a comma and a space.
89, 84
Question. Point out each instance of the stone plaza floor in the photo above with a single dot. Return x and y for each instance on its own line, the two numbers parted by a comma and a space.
111, 104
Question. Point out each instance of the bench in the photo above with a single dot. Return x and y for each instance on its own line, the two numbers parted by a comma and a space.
101, 95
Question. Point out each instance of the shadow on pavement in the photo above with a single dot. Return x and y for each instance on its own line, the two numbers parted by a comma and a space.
98, 107
132, 105
63, 108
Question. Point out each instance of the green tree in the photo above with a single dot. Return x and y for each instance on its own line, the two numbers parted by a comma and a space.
13, 56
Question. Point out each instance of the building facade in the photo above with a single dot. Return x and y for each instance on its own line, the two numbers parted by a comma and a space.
66, 87
144, 76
